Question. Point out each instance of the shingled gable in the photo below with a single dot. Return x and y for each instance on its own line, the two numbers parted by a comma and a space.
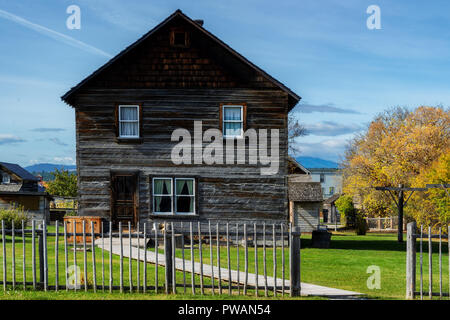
239, 65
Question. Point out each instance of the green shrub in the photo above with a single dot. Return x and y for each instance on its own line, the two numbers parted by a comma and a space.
16, 214
361, 226
346, 209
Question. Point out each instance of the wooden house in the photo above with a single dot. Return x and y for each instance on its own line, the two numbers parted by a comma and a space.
305, 198
18, 187
127, 110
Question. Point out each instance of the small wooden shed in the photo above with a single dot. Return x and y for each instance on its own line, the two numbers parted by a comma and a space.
305, 202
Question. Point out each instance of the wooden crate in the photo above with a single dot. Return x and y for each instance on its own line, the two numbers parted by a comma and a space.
71, 221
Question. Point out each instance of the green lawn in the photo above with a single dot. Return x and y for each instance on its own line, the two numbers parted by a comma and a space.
342, 266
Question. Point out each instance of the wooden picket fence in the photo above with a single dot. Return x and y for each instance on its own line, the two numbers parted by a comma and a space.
411, 263
174, 239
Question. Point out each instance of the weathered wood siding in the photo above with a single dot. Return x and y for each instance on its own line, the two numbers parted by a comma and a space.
306, 215
225, 191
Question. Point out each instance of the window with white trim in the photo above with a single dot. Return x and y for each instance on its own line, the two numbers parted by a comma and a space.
129, 121
6, 178
173, 196
233, 121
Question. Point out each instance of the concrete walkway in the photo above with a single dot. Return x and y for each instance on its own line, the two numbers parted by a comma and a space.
208, 271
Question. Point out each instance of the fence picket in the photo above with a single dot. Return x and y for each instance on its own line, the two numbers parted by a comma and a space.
94, 267
66, 258
75, 254
24, 272
13, 254
144, 276
110, 259
440, 263
85, 271
211, 257
430, 265
264, 258
121, 257
192, 258
166, 263
33, 252
421, 262
56, 256
4, 255
182, 257
44, 239
103, 259
274, 254
130, 260
218, 258
138, 271
228, 260
282, 260
200, 250
156, 259
246, 259
173, 247
255, 244
237, 258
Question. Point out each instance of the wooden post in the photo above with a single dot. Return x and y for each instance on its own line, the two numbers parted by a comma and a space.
295, 261
44, 239
410, 261
172, 254
192, 258
274, 254
264, 260
229, 260
75, 254
246, 259
182, 257
237, 258
421, 262
103, 260
430, 265
168, 258
138, 262
400, 214
4, 255
200, 251
156, 259
282, 260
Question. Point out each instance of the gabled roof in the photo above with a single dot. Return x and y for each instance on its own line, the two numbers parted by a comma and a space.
293, 97
18, 171
304, 191
298, 165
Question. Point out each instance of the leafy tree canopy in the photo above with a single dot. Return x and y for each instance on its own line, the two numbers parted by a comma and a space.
64, 184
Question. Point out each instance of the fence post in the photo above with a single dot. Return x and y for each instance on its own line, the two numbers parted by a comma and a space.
295, 261
411, 260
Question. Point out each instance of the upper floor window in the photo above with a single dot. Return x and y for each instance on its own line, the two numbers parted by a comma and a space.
5, 178
233, 121
129, 121
179, 38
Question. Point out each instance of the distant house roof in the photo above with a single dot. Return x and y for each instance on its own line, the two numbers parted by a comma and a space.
18, 171
332, 199
293, 98
295, 167
304, 191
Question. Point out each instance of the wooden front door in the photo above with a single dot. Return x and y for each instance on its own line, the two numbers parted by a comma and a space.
124, 206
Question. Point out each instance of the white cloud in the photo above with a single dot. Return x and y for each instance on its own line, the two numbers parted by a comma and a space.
331, 128
63, 160
10, 139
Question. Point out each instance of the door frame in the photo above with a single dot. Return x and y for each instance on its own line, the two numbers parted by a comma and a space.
135, 175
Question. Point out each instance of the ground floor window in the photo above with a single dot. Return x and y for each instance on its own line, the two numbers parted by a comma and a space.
173, 195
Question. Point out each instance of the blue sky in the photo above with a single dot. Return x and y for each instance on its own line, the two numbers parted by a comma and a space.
322, 50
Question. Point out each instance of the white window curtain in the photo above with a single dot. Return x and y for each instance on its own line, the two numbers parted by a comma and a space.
129, 121
232, 121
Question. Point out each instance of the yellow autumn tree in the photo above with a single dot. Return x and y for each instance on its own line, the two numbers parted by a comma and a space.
398, 146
